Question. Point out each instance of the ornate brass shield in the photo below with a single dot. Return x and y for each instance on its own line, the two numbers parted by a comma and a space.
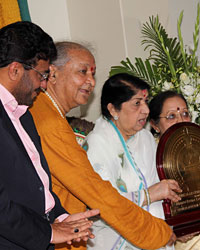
178, 158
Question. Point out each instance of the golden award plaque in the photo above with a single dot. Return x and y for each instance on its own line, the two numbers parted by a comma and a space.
178, 158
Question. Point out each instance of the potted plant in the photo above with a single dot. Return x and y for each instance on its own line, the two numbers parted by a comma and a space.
169, 64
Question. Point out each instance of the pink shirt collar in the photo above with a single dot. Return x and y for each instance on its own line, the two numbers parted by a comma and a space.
10, 104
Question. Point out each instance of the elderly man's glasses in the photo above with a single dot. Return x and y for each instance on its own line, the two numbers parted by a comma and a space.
43, 76
173, 115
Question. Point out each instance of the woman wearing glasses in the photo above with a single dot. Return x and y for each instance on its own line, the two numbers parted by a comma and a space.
167, 109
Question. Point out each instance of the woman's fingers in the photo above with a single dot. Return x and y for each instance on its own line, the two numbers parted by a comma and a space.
174, 186
173, 197
165, 189
173, 189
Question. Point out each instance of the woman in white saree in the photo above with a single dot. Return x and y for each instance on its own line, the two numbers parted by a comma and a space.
122, 151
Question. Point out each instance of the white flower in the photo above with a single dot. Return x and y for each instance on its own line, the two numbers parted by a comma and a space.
195, 114
184, 78
187, 90
189, 99
167, 86
191, 108
197, 99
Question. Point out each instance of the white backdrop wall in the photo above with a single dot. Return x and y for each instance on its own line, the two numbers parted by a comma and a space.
52, 16
112, 27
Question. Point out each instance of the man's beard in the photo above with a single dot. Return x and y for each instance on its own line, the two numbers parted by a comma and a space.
23, 92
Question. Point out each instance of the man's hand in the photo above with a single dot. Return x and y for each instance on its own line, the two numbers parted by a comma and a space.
75, 227
187, 237
172, 239
84, 215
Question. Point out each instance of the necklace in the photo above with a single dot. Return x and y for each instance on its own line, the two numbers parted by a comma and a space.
54, 103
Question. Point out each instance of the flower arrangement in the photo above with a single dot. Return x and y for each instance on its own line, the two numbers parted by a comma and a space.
171, 65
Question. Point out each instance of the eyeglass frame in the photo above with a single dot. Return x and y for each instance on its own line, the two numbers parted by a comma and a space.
178, 111
44, 76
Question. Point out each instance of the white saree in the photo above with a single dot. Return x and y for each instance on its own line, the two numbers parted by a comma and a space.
130, 167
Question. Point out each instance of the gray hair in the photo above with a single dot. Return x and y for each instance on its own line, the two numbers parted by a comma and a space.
63, 49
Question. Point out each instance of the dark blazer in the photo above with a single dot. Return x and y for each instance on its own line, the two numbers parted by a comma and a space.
22, 201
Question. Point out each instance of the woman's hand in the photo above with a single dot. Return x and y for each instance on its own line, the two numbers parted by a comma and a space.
165, 189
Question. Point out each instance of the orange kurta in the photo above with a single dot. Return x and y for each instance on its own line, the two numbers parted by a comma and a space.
76, 183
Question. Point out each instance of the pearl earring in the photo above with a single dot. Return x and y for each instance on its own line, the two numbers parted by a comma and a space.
115, 118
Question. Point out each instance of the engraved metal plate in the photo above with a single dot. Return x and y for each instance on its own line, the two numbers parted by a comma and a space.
181, 162
178, 158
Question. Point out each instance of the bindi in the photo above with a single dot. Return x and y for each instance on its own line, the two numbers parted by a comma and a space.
144, 92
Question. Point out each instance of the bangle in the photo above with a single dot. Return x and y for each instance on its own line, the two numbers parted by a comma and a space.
146, 191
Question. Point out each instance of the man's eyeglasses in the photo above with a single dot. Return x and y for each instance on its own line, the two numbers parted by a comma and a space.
43, 76
173, 115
